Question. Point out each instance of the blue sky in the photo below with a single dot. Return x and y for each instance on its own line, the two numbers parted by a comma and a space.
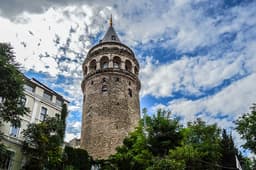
197, 57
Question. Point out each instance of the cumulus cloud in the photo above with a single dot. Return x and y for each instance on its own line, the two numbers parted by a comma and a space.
232, 101
188, 75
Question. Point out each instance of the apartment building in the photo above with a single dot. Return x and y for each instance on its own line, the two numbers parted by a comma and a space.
41, 101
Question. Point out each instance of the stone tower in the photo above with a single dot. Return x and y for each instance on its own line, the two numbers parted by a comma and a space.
111, 107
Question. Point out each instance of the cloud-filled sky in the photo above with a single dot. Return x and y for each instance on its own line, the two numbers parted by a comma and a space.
197, 57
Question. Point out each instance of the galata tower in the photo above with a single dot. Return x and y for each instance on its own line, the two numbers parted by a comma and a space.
111, 107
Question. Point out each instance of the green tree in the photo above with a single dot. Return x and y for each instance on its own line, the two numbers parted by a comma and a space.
11, 94
76, 159
163, 133
160, 143
246, 127
228, 151
43, 142
133, 154
147, 147
203, 142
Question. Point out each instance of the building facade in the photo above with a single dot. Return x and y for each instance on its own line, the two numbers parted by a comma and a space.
41, 101
74, 143
111, 107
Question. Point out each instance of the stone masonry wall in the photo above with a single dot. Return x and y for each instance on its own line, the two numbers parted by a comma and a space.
110, 111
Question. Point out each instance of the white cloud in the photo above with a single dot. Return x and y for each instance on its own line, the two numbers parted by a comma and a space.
188, 75
70, 136
231, 102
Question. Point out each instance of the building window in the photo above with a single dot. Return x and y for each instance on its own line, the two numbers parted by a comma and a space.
14, 131
130, 92
43, 113
104, 80
6, 160
47, 96
23, 101
29, 88
58, 102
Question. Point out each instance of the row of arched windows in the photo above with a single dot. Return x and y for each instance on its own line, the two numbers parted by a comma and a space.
104, 63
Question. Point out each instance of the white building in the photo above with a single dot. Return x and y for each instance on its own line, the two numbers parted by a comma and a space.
41, 101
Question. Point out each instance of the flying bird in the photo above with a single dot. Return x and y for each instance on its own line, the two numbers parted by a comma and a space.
31, 33
24, 44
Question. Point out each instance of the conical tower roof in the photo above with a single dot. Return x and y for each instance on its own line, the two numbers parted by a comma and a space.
111, 35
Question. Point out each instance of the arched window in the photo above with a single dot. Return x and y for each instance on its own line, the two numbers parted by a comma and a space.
92, 66
136, 71
104, 62
130, 92
85, 70
128, 65
116, 62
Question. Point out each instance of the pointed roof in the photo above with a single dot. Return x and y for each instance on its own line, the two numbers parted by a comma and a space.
111, 35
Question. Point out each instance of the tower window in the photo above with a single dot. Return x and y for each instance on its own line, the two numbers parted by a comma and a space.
104, 80
104, 88
130, 92
117, 79
113, 37
128, 65
116, 62
92, 66
104, 62
105, 65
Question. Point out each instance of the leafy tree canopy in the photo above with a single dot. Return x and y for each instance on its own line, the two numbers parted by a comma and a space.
246, 127
43, 142
11, 83
160, 143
